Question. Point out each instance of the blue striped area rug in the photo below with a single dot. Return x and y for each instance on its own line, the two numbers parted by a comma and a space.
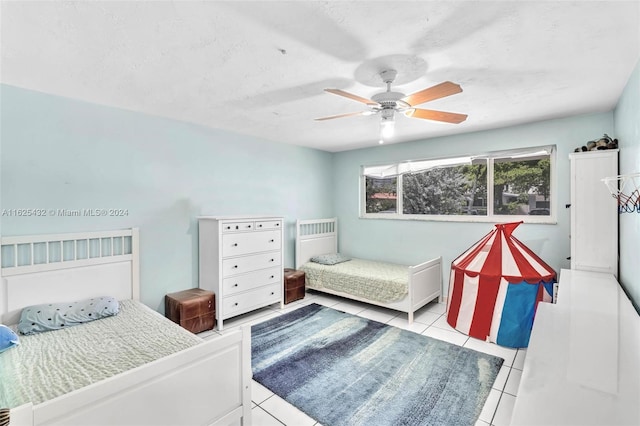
342, 369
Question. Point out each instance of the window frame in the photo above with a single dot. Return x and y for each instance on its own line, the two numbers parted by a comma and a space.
491, 156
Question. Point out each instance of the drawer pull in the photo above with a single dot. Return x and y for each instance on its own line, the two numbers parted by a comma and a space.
235, 304
271, 260
235, 267
235, 285
260, 226
272, 276
277, 224
235, 245
272, 293
271, 241
237, 227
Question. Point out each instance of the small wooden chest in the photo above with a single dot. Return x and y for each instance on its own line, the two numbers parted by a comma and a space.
294, 285
193, 309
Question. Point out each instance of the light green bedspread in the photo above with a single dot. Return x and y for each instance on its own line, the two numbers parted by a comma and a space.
50, 364
377, 281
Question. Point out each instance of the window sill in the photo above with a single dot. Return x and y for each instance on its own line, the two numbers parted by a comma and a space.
542, 220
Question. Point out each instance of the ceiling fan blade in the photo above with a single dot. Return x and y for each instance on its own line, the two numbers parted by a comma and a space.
349, 114
352, 96
435, 92
429, 114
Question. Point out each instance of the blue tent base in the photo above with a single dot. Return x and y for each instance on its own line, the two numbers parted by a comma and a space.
518, 313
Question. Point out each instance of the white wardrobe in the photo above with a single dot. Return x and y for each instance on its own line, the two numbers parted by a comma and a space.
594, 212
240, 260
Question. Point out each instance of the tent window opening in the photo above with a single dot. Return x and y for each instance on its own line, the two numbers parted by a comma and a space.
504, 183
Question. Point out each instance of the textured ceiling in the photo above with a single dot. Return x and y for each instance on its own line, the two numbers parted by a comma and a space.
259, 68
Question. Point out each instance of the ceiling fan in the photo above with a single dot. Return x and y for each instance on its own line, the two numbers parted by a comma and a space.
388, 103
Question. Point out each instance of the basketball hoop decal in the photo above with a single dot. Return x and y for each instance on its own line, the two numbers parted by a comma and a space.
625, 189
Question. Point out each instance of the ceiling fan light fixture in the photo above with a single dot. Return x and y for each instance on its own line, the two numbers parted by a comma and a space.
387, 128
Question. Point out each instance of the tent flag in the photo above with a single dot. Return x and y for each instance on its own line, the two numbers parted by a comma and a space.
495, 287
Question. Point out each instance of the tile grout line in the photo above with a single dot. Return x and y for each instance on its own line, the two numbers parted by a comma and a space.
270, 415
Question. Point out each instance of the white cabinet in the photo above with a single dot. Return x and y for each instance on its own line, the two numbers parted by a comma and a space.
240, 260
594, 212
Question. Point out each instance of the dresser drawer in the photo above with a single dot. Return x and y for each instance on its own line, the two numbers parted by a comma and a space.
269, 224
243, 243
244, 302
241, 265
237, 226
251, 280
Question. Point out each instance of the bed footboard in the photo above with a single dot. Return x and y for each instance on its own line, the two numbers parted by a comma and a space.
425, 284
207, 384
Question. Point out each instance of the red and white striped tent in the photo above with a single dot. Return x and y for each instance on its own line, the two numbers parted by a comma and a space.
495, 286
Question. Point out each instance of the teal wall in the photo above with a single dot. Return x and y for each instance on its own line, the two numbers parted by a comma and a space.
627, 124
58, 153
409, 241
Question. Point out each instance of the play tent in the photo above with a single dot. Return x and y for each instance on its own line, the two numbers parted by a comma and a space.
495, 286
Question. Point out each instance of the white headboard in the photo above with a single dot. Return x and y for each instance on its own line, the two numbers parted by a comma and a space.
315, 237
58, 268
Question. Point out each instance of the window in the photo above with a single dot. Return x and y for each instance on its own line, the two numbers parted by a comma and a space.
457, 190
381, 195
482, 187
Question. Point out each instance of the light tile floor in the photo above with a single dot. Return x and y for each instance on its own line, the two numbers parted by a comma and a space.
269, 409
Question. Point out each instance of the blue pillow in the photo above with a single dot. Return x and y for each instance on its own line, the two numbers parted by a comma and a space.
330, 259
8, 338
54, 316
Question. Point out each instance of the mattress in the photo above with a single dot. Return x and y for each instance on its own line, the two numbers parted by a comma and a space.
376, 281
50, 364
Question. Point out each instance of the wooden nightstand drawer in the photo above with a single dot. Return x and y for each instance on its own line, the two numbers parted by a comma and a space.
193, 309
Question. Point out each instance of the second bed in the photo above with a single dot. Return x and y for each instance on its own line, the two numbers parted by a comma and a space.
399, 287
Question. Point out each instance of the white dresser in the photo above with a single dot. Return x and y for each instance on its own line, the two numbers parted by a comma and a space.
240, 260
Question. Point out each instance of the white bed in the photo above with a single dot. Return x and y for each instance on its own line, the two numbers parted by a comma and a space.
207, 384
423, 281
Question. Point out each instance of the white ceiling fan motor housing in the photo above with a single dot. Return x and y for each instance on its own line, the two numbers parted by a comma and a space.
390, 100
